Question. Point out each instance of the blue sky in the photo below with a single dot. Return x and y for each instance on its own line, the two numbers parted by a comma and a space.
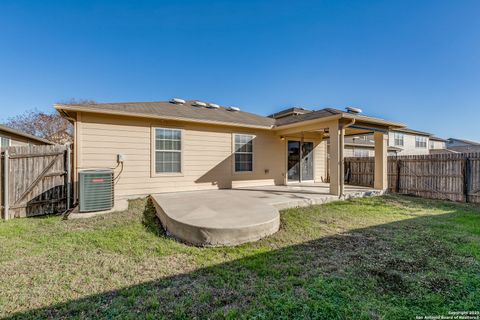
413, 61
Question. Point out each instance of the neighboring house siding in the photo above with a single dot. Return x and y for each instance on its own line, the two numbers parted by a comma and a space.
433, 144
408, 147
17, 141
207, 155
351, 151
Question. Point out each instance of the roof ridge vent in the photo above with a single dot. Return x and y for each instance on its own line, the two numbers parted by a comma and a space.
177, 101
233, 109
199, 104
213, 106
353, 110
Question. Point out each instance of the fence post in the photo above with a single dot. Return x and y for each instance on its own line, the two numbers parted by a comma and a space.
1, 183
398, 175
5, 185
466, 178
68, 177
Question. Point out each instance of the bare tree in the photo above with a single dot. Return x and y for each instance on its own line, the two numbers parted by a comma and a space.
50, 126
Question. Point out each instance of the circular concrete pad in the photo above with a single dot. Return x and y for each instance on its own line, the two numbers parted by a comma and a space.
216, 218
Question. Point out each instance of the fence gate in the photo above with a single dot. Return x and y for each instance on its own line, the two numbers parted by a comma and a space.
36, 180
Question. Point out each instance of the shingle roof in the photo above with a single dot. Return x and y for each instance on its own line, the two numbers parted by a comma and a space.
308, 116
174, 111
288, 112
437, 139
189, 112
473, 143
24, 134
407, 130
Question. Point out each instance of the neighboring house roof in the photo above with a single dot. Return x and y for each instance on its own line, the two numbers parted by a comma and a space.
437, 139
442, 151
469, 142
370, 146
417, 132
189, 112
23, 134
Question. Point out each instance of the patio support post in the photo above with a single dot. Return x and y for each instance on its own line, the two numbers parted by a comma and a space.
336, 133
381, 175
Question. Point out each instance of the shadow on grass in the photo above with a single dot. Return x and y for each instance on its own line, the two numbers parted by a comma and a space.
150, 220
396, 270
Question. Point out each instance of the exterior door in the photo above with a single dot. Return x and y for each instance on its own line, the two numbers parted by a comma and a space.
293, 161
300, 161
307, 161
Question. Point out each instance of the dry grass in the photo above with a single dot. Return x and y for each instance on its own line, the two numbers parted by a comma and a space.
388, 257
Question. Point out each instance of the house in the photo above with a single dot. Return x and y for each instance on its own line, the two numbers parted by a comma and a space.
364, 146
183, 145
460, 145
11, 137
401, 142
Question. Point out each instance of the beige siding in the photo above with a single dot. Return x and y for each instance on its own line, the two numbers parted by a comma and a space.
207, 156
320, 160
437, 144
350, 151
409, 145
18, 141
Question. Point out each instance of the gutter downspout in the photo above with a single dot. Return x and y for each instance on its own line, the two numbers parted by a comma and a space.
342, 160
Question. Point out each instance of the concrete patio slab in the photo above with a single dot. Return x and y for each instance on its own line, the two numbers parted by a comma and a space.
303, 194
216, 218
235, 216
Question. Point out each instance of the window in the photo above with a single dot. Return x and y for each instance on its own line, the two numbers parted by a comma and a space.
5, 142
361, 153
398, 139
168, 150
243, 153
420, 142
432, 145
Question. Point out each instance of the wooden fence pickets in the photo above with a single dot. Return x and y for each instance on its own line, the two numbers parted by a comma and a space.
453, 177
37, 180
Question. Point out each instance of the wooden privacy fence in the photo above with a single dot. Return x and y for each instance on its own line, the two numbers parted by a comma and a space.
35, 180
453, 177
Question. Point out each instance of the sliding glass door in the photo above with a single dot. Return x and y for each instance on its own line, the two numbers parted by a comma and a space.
300, 161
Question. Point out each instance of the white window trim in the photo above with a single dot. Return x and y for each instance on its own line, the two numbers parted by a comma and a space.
423, 138
9, 141
234, 152
153, 154
365, 152
395, 140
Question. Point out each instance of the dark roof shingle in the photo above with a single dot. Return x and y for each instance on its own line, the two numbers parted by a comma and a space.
185, 111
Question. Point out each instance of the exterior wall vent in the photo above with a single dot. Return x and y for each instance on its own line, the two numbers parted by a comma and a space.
96, 190
213, 106
199, 104
233, 109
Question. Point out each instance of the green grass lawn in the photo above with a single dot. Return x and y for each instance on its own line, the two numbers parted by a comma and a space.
388, 257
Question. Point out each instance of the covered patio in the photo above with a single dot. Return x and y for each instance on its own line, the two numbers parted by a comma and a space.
248, 212
333, 126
